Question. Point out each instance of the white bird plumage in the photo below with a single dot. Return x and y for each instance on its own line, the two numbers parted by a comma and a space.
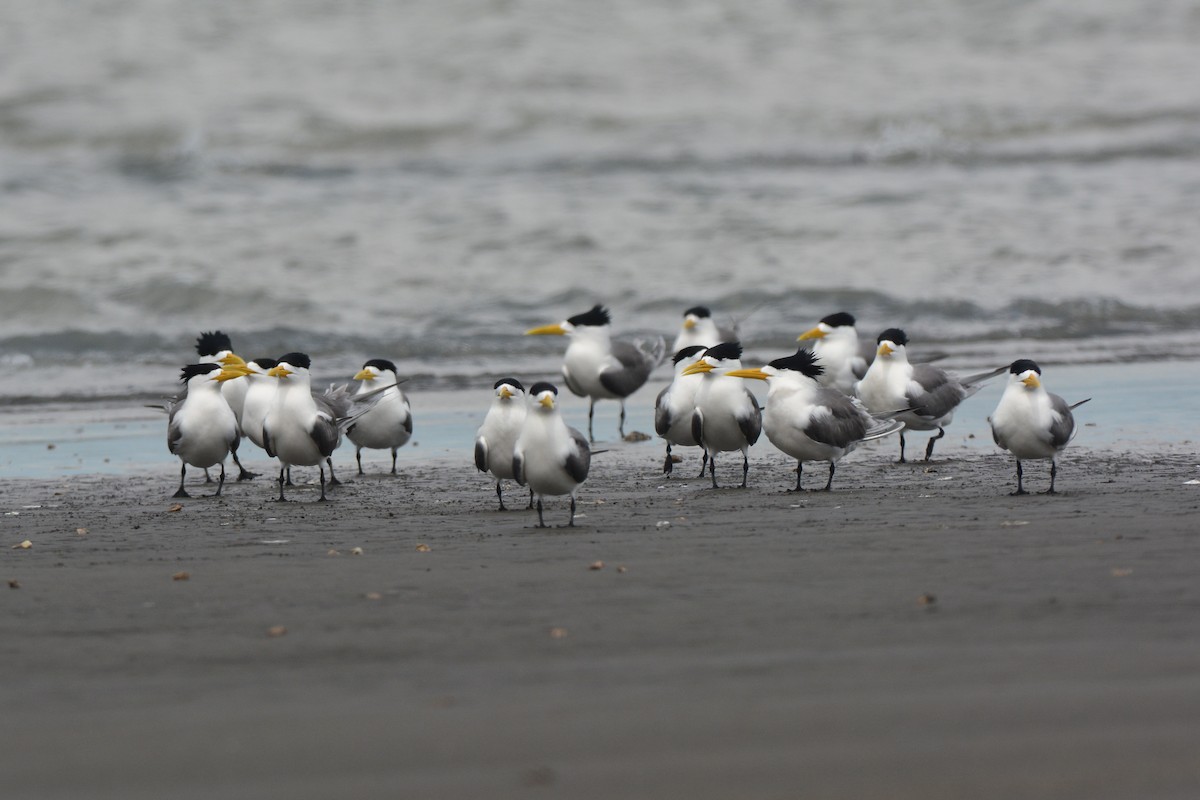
676, 404
382, 419
1030, 422
201, 428
302, 428
497, 436
811, 422
921, 396
600, 368
550, 457
727, 415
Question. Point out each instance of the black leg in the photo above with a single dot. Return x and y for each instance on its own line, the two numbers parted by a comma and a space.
243, 473
703, 463
541, 523
394, 460
221, 482
207, 477
712, 470
333, 481
745, 468
1020, 475
591, 413
282, 470
799, 473
1053, 475
322, 498
901, 461
289, 477
358, 458
929, 447
668, 465
500, 496
571, 524
829, 483
182, 472
530, 506
621, 424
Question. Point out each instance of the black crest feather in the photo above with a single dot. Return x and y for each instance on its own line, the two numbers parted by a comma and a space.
725, 351
192, 370
513, 382
893, 335
210, 343
841, 319
699, 311
264, 362
801, 361
597, 316
380, 364
1023, 365
543, 386
687, 352
296, 360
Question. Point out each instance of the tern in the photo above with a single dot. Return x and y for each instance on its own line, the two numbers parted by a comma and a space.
675, 405
215, 347
550, 457
201, 428
727, 416
259, 397
921, 396
302, 428
1030, 422
808, 421
382, 420
497, 436
599, 368
699, 328
836, 344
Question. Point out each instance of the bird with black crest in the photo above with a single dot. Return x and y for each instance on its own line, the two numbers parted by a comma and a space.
302, 428
921, 396
598, 367
497, 436
808, 421
727, 416
550, 457
383, 417
201, 428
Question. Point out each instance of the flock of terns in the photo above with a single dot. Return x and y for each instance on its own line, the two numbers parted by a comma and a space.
822, 402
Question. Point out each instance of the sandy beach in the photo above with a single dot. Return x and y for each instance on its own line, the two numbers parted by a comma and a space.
916, 633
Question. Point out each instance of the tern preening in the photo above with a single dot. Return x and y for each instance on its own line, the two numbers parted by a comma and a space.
599, 368
808, 421
921, 396
497, 436
727, 417
1030, 422
550, 457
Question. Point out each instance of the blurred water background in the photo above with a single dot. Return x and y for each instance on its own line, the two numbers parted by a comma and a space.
425, 180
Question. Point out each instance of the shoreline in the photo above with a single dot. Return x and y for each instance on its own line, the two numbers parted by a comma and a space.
914, 633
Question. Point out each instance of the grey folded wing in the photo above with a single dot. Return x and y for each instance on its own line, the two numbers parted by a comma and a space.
843, 425
481, 454
751, 421
325, 435
635, 367
662, 413
579, 459
174, 434
1062, 428
939, 393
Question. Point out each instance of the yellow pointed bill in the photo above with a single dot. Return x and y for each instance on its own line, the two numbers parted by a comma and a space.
1032, 381
279, 371
364, 375
885, 349
547, 330
815, 333
698, 367
755, 373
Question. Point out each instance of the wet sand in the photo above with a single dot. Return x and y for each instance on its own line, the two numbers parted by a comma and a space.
916, 633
